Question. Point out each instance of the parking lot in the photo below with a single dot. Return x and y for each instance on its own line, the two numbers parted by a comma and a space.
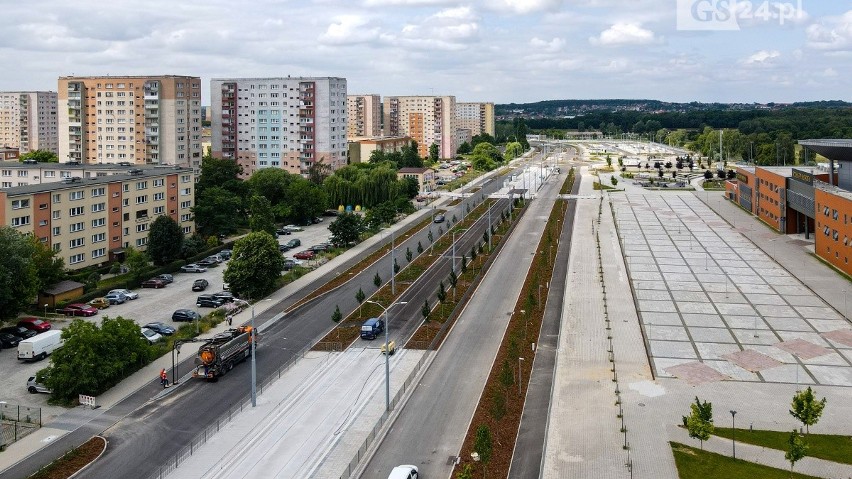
152, 305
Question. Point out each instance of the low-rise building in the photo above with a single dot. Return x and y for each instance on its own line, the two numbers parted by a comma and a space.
90, 220
425, 177
360, 149
26, 173
9, 154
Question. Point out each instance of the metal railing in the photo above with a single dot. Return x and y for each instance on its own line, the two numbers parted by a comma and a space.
17, 421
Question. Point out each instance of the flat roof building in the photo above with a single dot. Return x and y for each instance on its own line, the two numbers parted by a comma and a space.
365, 116
28, 121
476, 117
360, 149
427, 120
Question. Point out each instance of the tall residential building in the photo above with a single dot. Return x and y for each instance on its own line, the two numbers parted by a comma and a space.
90, 221
426, 119
476, 117
154, 120
365, 116
28, 121
288, 122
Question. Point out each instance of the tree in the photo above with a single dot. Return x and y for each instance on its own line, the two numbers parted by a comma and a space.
395, 266
410, 187
434, 153
442, 296
513, 150
419, 248
359, 296
708, 175
699, 423
408, 254
336, 316
261, 217
796, 449
410, 156
377, 280
464, 149
507, 376
384, 213
41, 156
255, 266
165, 240
806, 408
136, 261
220, 173
498, 405
49, 266
454, 279
613, 180
464, 264
271, 183
426, 310
307, 200
482, 445
19, 280
346, 229
609, 160
217, 211
318, 172
192, 246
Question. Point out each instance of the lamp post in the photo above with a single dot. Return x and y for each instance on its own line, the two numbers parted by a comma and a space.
454, 247
734, 432
387, 350
520, 373
393, 265
253, 358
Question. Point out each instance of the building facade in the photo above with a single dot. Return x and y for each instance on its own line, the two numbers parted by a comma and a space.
90, 221
28, 121
427, 120
153, 120
360, 149
425, 177
289, 123
476, 117
13, 174
365, 116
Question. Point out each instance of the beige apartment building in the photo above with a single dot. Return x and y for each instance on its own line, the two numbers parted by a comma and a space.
426, 119
360, 149
143, 120
16, 173
478, 118
91, 220
28, 121
365, 116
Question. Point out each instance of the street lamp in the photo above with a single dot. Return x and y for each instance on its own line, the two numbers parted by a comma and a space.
734, 432
45, 310
520, 372
454, 246
253, 358
387, 350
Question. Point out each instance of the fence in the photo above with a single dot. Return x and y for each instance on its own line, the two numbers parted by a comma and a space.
17, 421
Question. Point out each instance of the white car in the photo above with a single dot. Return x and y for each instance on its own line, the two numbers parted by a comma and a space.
151, 335
404, 472
129, 294
193, 268
294, 228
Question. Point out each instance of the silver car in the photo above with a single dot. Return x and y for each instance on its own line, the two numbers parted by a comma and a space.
193, 268
128, 293
35, 387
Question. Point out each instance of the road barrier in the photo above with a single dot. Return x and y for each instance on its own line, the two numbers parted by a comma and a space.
17, 421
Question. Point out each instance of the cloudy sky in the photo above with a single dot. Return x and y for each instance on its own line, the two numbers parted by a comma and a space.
479, 50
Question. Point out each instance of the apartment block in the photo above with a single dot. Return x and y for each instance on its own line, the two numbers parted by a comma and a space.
143, 120
91, 220
15, 173
426, 119
365, 116
476, 117
290, 123
28, 121
360, 149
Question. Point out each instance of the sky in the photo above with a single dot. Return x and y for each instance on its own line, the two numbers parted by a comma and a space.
480, 50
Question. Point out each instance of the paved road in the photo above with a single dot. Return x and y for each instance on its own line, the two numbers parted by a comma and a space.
431, 426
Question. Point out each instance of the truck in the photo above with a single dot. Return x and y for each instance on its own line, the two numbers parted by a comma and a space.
39, 346
219, 354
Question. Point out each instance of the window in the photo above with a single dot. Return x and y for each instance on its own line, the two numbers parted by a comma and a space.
76, 242
75, 227
18, 204
76, 258
186, 217
98, 207
142, 241
21, 221
56, 214
57, 198
141, 185
186, 191
185, 178
125, 202
159, 196
98, 253
75, 195
98, 237
125, 187
57, 230
158, 210
141, 199
142, 227
76, 211
98, 222
159, 182
98, 192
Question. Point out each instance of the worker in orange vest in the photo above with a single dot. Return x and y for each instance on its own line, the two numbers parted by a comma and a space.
164, 379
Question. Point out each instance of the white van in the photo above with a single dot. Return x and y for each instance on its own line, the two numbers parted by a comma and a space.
404, 472
40, 345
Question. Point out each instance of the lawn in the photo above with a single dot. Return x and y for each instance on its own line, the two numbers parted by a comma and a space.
822, 446
693, 463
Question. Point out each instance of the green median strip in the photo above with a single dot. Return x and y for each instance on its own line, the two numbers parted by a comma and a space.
821, 446
693, 463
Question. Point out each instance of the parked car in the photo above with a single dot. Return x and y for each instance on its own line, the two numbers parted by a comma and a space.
166, 278
404, 472
40, 346
318, 248
116, 298
439, 219
283, 248
226, 254
289, 264
154, 283
317, 220
200, 285
207, 263
185, 315
208, 301
225, 296
161, 328
306, 254
35, 387
78, 309
8, 340
130, 294
372, 328
151, 335
34, 324
283, 231
293, 243
193, 268
18, 331
100, 303
215, 258
293, 228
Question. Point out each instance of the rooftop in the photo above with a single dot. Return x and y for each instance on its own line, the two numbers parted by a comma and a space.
411, 169
834, 190
86, 182
837, 150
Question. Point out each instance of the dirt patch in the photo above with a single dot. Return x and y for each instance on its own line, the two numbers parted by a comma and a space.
73, 460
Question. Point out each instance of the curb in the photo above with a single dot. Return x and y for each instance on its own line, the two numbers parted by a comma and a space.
106, 443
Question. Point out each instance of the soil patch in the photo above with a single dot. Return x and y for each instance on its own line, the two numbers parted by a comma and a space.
73, 460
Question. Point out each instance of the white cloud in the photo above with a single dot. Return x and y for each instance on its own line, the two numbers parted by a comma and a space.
406, 3
448, 29
833, 33
625, 34
762, 58
551, 46
829, 72
349, 29
523, 7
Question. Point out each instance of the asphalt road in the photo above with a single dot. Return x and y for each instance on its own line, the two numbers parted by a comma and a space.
432, 424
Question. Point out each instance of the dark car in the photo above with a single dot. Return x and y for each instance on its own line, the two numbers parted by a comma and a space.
318, 248
282, 231
185, 315
225, 296
306, 254
439, 218
207, 263
78, 309
208, 301
8, 340
289, 264
200, 285
18, 331
166, 278
293, 243
161, 328
283, 248
226, 254
34, 324
154, 283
